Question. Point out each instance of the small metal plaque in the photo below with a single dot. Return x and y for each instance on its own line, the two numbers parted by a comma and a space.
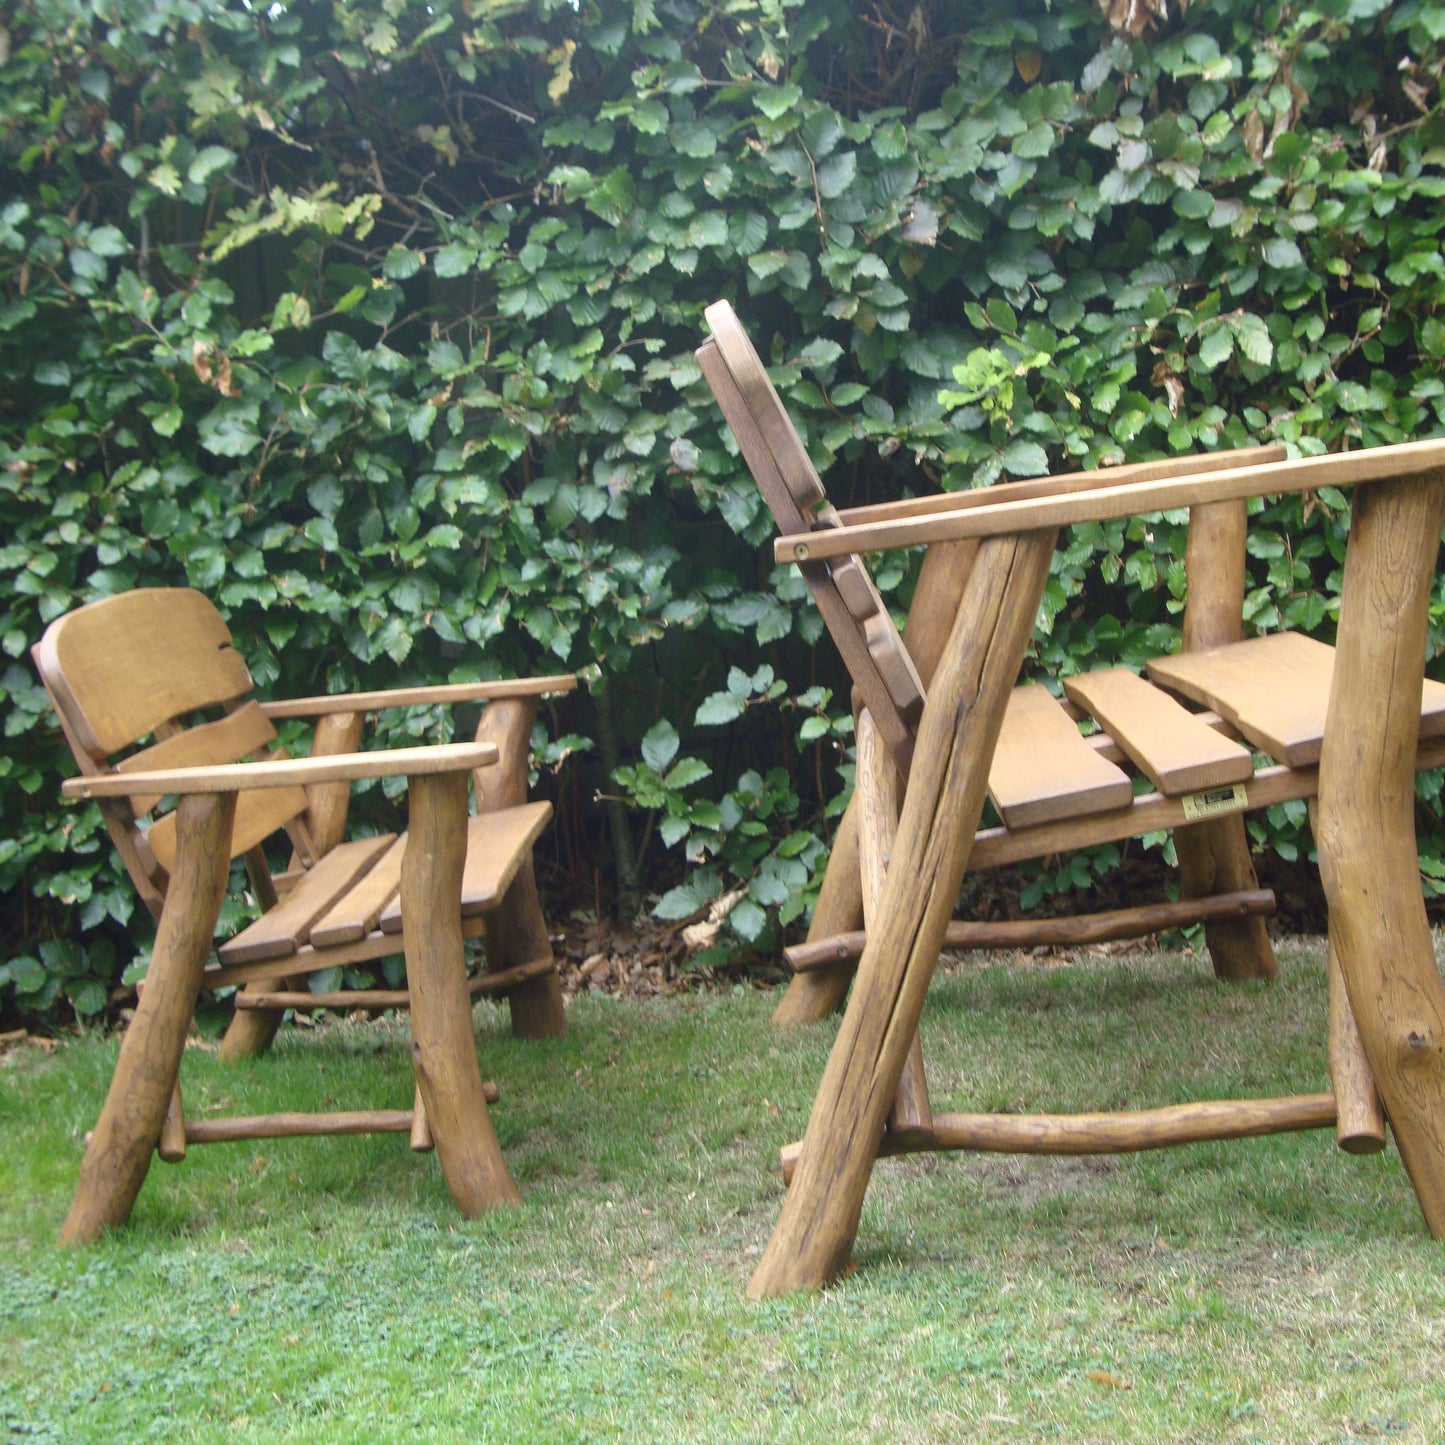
1215, 802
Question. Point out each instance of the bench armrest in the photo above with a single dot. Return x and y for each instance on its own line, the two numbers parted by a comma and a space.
1127, 499
287, 772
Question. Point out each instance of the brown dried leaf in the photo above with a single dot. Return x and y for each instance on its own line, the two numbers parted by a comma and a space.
1108, 1378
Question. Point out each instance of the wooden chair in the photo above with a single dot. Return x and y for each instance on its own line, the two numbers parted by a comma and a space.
941, 722
155, 702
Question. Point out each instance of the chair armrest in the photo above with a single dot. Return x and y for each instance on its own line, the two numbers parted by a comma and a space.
418, 696
1099, 504
287, 772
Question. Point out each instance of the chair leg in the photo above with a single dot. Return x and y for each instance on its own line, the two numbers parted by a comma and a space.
1366, 837
120, 1148
941, 811
444, 1051
517, 934
1214, 858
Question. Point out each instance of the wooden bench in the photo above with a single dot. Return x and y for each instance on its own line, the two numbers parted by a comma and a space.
1347, 726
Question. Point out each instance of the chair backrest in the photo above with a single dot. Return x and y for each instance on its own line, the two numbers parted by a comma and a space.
854, 612
157, 666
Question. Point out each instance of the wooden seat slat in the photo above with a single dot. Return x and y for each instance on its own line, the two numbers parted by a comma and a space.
285, 927
1275, 690
1169, 744
1043, 769
358, 912
497, 845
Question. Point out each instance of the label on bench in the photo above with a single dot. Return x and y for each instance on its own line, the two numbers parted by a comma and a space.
1214, 802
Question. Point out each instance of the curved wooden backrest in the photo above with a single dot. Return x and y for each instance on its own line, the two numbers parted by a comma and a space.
122, 667
141, 665
852, 608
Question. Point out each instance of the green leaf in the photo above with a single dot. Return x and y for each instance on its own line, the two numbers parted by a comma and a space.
719, 708
1216, 348
687, 771
659, 746
836, 174
229, 430
1035, 142
401, 263
776, 100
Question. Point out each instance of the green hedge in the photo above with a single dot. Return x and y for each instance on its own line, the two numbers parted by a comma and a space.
374, 320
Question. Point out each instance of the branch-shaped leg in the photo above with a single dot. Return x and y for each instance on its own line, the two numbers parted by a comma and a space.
1366, 836
941, 811
119, 1152
444, 1050
517, 931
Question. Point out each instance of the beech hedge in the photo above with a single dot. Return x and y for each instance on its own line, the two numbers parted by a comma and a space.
374, 320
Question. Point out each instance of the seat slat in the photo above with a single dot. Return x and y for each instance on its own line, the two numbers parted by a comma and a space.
1176, 751
287, 926
1043, 769
359, 911
1275, 690
497, 845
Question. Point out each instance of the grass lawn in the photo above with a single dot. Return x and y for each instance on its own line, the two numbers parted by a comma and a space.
1268, 1290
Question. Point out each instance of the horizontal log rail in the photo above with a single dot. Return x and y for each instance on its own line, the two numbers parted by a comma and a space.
1074, 930
288, 1126
484, 984
1127, 1132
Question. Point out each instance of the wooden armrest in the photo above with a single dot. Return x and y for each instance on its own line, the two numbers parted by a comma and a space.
992, 518
1063, 484
418, 696
287, 772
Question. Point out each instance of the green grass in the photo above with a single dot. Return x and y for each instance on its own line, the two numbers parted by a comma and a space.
1270, 1290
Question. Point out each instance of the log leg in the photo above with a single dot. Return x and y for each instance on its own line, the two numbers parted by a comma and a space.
877, 793
517, 932
839, 909
444, 1050
941, 811
119, 1152
1366, 838
1214, 856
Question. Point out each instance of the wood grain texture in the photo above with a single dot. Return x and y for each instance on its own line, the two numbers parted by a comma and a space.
941, 810
1275, 690
1072, 931
289, 772
1167, 743
517, 936
1214, 855
1108, 1133
1043, 770
444, 1051
1366, 835
144, 1082
440, 694
878, 788
1131, 499
1061, 484
121, 667
281, 930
